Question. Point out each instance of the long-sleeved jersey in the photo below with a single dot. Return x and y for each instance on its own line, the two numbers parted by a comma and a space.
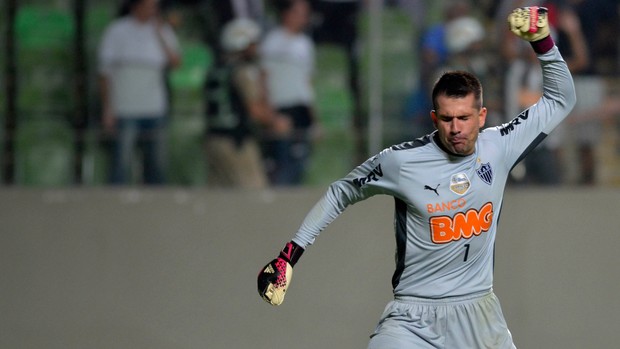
447, 206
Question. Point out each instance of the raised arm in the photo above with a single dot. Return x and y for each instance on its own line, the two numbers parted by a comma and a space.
530, 127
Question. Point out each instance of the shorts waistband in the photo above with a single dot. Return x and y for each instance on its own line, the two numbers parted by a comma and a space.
444, 300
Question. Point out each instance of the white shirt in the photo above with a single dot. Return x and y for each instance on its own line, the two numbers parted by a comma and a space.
289, 62
132, 57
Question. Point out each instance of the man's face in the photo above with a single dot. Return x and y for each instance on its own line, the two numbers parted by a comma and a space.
297, 17
458, 121
146, 9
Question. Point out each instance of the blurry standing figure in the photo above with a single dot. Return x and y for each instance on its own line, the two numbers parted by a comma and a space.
288, 56
135, 52
547, 163
433, 52
237, 109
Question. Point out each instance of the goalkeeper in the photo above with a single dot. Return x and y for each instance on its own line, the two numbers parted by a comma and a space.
448, 189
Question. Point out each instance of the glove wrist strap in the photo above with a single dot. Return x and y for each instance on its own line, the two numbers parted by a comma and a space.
543, 45
291, 252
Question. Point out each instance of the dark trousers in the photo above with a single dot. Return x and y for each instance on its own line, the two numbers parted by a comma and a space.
286, 159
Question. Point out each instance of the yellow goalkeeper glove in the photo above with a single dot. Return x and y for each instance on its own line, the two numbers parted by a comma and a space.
529, 23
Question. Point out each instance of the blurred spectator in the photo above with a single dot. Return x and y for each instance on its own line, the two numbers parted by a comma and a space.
467, 42
288, 55
569, 34
600, 23
135, 51
237, 106
586, 133
466, 50
590, 90
434, 53
546, 164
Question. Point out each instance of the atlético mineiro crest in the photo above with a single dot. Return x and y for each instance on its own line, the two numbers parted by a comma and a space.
485, 172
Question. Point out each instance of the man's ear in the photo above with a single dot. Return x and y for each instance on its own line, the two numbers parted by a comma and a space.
482, 117
434, 117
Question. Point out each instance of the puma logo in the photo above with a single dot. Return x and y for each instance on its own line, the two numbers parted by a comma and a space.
426, 187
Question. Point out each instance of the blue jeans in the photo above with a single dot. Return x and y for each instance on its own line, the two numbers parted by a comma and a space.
287, 158
149, 134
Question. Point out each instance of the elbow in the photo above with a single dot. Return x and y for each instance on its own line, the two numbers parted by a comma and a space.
571, 99
567, 98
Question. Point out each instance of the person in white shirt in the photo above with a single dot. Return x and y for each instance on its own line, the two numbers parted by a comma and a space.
136, 50
288, 57
238, 111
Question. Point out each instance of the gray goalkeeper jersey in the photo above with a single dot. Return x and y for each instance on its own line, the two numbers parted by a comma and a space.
446, 206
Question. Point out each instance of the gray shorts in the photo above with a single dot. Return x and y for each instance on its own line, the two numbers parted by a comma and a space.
474, 321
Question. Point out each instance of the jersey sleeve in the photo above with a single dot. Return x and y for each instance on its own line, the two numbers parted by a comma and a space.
528, 129
377, 175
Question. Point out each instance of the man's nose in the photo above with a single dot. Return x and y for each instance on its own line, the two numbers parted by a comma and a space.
454, 126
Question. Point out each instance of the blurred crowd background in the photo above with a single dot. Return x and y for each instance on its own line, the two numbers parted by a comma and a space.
373, 66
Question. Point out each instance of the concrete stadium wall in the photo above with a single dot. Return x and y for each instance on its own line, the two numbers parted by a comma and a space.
176, 268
